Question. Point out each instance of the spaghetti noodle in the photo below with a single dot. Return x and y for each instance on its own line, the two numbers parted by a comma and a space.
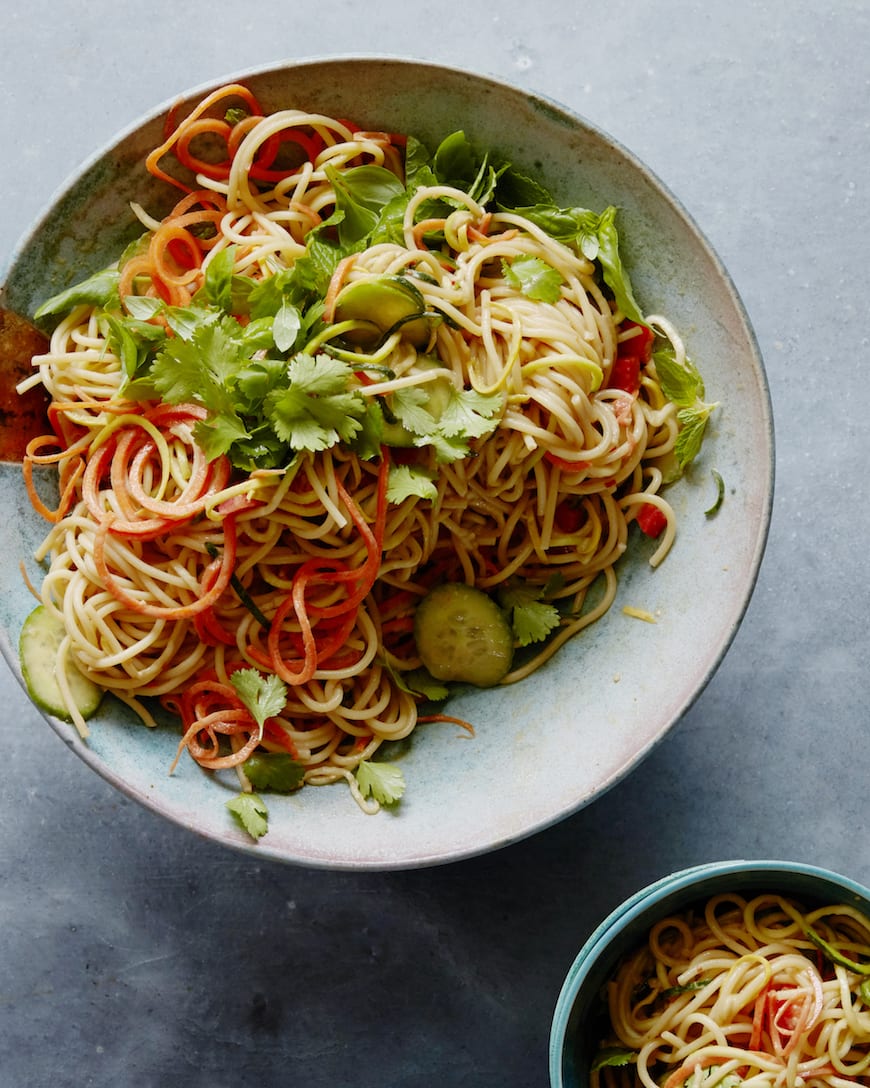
760, 992
251, 479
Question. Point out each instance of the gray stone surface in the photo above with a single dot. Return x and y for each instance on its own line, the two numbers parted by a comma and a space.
133, 953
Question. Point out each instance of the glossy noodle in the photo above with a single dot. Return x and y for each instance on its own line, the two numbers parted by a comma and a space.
759, 992
185, 548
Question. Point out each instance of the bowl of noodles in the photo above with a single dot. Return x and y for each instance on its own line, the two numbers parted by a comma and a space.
381, 449
726, 973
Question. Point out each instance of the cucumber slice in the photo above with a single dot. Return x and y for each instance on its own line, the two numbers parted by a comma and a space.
386, 302
462, 634
38, 645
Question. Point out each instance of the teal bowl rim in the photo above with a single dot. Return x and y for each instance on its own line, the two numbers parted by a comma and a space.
635, 908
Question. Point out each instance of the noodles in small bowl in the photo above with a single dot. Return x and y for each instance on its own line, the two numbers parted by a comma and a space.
753, 973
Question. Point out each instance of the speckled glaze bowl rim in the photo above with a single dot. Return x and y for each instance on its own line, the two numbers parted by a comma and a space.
690, 881
536, 811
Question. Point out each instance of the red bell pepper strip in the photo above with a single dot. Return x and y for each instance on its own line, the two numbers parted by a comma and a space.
651, 520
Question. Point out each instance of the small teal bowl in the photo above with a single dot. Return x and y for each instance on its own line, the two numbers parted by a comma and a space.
574, 1034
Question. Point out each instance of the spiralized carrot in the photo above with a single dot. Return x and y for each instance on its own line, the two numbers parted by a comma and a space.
233, 90
174, 570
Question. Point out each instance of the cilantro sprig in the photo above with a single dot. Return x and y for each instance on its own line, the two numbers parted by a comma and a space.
382, 781
532, 617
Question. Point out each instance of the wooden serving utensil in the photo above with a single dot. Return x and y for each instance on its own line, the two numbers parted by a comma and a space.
22, 416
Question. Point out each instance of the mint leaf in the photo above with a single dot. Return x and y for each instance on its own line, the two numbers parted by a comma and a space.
250, 813
383, 781
535, 278
693, 423
143, 307
274, 771
405, 482
361, 193
286, 326
264, 696
615, 274
681, 383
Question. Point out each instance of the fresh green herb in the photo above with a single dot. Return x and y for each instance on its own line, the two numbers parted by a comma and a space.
612, 1056
465, 414
277, 772
682, 384
720, 494
532, 617
317, 409
693, 423
405, 482
101, 289
131, 340
421, 682
264, 696
250, 813
833, 955
690, 987
242, 593
535, 278
383, 781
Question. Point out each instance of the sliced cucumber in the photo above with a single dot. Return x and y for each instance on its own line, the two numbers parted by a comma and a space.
38, 646
384, 303
462, 634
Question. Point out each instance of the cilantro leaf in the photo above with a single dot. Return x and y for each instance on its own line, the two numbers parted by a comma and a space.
264, 696
408, 405
278, 772
405, 481
421, 682
535, 278
250, 813
318, 409
199, 368
532, 618
470, 414
383, 781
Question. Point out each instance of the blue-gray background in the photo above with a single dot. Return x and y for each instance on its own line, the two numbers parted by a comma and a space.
133, 953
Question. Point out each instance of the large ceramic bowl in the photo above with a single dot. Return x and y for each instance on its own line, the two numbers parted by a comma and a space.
575, 1028
549, 745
